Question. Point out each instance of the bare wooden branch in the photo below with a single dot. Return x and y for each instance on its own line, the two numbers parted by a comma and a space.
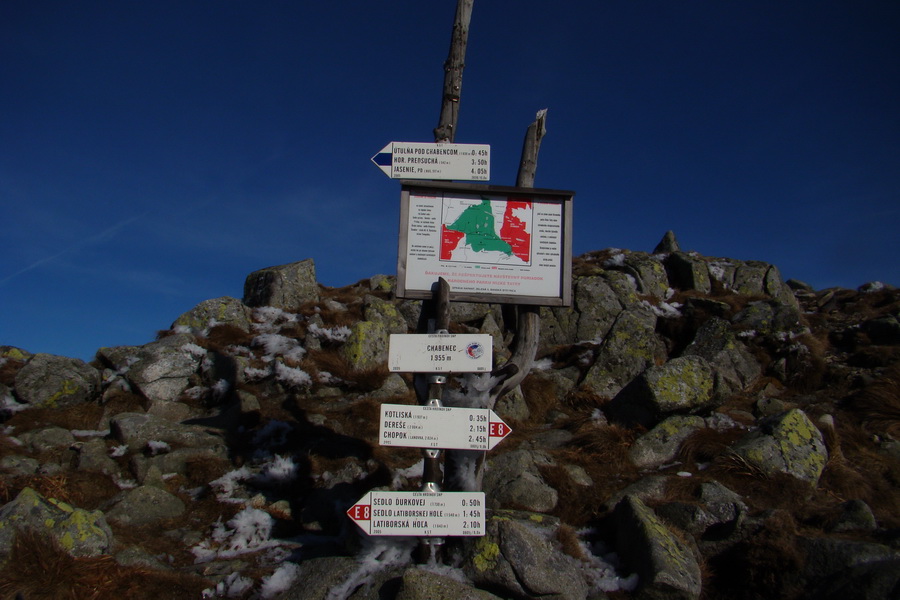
530, 149
527, 318
453, 71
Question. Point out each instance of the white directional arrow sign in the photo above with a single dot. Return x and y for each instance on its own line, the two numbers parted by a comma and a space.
420, 513
422, 160
440, 427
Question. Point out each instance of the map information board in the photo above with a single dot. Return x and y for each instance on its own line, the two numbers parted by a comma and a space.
490, 244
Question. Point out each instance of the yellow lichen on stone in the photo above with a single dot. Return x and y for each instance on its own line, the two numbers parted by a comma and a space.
486, 554
68, 388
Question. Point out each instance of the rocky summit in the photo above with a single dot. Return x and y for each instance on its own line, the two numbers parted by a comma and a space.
692, 427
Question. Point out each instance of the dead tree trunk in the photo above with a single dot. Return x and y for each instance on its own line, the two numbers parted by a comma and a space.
453, 71
464, 469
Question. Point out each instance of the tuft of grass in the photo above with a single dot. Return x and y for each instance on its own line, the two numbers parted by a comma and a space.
878, 405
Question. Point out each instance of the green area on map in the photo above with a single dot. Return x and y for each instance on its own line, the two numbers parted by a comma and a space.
477, 223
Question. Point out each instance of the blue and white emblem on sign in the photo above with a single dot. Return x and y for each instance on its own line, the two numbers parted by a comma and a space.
474, 350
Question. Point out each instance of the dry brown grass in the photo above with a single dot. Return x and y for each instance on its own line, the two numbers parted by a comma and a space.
331, 361
878, 405
8, 371
541, 397
38, 569
87, 415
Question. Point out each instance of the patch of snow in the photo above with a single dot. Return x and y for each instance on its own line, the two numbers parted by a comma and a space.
274, 344
233, 586
379, 554
280, 470
543, 364
332, 334
117, 451
220, 388
599, 569
9, 406
248, 531
194, 350
616, 260
280, 581
226, 485
292, 376
254, 374
157, 447
90, 433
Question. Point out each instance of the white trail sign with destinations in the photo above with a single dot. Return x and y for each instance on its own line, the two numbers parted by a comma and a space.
440, 427
420, 513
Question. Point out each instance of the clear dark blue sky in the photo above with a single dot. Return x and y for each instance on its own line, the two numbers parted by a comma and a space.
153, 153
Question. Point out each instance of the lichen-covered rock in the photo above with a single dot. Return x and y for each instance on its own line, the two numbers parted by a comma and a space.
286, 286
366, 346
517, 558
666, 566
218, 311
419, 584
682, 385
136, 430
597, 307
630, 347
514, 480
648, 272
376, 309
162, 369
687, 272
51, 381
786, 443
145, 504
734, 367
78, 531
660, 445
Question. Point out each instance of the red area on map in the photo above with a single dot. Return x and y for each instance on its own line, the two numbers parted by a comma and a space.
513, 229
449, 240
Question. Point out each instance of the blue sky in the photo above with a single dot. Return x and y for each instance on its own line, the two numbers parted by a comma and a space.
154, 153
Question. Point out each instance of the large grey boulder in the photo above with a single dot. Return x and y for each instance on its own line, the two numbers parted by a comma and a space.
161, 370
514, 480
53, 381
648, 272
630, 347
285, 286
734, 367
516, 558
666, 566
844, 569
367, 345
419, 584
384, 312
786, 443
687, 272
682, 385
660, 445
79, 532
145, 504
218, 311
597, 306
136, 430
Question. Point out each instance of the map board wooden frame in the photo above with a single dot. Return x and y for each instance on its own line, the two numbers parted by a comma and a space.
526, 267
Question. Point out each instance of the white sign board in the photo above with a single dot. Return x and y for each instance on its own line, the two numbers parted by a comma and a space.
440, 352
509, 245
420, 513
419, 160
440, 427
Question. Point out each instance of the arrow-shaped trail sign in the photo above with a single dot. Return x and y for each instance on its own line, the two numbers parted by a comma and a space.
423, 160
420, 513
440, 427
